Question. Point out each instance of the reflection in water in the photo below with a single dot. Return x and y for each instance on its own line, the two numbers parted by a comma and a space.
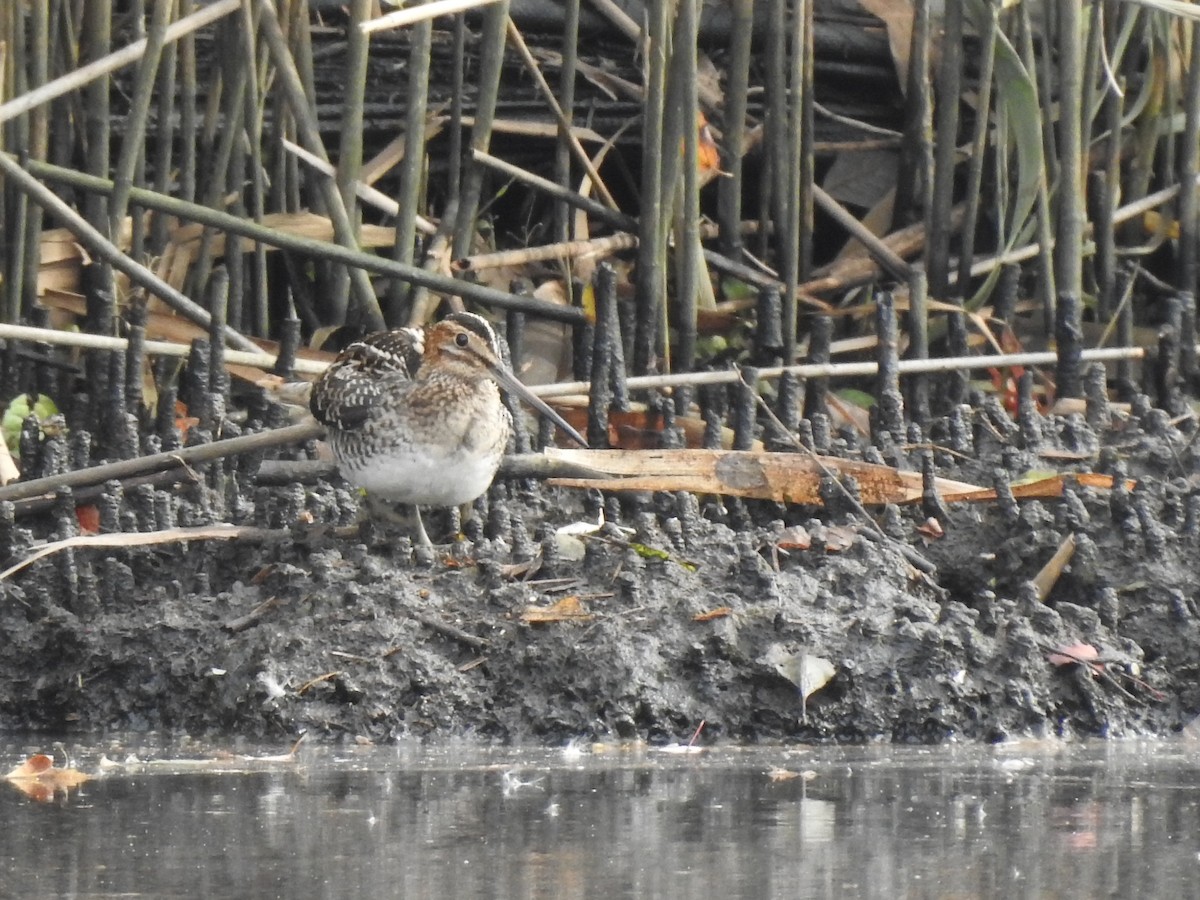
1098, 821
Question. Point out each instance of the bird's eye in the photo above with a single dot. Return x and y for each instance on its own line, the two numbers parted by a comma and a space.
461, 339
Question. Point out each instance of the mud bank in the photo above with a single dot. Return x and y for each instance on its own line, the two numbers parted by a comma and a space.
348, 634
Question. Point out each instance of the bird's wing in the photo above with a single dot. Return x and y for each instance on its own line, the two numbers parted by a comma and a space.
344, 396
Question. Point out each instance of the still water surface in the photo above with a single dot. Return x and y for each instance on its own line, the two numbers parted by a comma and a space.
1035, 820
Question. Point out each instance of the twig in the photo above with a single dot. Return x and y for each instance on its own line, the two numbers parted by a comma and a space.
564, 250
142, 465
588, 205
403, 17
880, 251
288, 79
649, 335
241, 623
412, 166
515, 38
845, 370
365, 192
123, 57
150, 538
258, 359
515, 465
86, 495
491, 65
620, 19
134, 139
450, 631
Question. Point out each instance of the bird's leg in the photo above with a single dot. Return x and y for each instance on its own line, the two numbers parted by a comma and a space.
422, 538
385, 511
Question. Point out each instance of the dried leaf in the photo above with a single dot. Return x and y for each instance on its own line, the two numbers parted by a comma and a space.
1075, 654
807, 672
39, 779
776, 773
839, 538
32, 767
88, 518
521, 569
568, 609
569, 541
719, 613
897, 16
931, 529
794, 538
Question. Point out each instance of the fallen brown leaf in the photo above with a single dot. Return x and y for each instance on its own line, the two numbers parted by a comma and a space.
777, 773
794, 538
931, 529
39, 779
1079, 654
839, 538
568, 609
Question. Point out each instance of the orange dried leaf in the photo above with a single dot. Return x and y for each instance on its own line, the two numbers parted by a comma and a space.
719, 613
1067, 654
568, 609
794, 538
708, 153
38, 779
88, 518
778, 773
839, 538
32, 767
931, 529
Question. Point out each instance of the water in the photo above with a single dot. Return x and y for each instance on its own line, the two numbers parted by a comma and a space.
1088, 821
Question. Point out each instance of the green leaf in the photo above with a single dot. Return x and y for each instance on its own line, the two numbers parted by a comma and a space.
647, 552
858, 398
19, 410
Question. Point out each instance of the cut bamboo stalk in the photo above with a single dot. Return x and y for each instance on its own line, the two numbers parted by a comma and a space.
402, 17
88, 341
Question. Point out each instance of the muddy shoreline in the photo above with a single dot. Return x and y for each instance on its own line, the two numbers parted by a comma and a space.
345, 633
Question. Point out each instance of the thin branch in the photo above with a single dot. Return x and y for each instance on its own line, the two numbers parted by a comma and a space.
142, 465
150, 538
123, 57
404, 17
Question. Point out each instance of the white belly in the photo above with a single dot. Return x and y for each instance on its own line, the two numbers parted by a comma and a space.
425, 479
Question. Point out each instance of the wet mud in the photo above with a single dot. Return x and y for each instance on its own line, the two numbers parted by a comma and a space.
691, 609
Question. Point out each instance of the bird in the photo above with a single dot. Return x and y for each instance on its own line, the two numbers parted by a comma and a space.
415, 416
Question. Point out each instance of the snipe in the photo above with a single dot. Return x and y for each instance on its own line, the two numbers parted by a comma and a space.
416, 417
